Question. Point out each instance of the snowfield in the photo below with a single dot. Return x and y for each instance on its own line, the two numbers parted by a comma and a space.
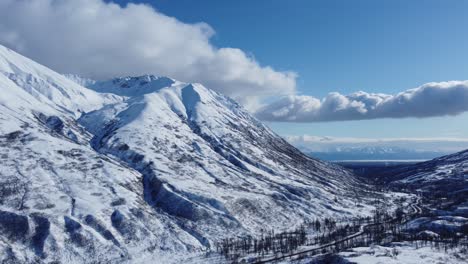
403, 253
437, 224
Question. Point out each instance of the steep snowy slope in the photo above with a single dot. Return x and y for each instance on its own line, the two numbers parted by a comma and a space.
59, 199
210, 164
151, 167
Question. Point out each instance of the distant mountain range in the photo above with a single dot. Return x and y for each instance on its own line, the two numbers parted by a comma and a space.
373, 153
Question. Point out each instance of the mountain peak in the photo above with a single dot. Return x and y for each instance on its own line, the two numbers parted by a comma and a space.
132, 85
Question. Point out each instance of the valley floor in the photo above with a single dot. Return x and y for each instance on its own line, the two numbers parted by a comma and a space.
395, 253
404, 253
423, 233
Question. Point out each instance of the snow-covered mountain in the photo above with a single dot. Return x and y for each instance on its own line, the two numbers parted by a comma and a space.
59, 198
138, 167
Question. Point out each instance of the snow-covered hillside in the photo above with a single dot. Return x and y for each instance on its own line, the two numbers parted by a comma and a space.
140, 167
60, 199
448, 173
443, 181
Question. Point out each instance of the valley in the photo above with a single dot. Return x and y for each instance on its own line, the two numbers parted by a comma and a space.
432, 221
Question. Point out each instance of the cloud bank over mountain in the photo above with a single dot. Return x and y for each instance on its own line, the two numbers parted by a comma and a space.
103, 40
429, 100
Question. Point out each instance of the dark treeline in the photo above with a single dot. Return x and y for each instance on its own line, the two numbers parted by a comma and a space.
332, 236
390, 229
273, 242
268, 242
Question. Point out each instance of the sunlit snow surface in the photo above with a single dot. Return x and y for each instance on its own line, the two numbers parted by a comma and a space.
403, 253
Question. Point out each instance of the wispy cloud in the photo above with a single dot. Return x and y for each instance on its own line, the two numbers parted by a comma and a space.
428, 100
102, 40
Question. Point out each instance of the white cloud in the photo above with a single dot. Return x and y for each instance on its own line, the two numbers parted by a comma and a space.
429, 100
103, 40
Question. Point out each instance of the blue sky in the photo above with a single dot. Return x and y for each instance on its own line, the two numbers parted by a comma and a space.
376, 46
347, 46
295, 64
